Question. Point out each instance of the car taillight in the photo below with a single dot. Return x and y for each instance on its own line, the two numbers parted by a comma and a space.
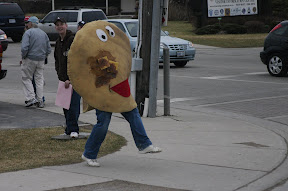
276, 27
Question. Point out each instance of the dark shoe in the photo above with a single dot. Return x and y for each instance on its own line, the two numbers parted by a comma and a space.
30, 102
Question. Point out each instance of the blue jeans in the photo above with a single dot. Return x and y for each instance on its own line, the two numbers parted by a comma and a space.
72, 114
100, 129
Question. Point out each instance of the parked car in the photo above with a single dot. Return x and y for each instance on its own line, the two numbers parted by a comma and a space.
181, 51
12, 20
3, 40
72, 17
275, 51
2, 72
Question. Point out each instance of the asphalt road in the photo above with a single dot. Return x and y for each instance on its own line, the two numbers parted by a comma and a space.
233, 80
229, 79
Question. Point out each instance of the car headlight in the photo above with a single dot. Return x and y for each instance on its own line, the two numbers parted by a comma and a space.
163, 45
3, 37
190, 45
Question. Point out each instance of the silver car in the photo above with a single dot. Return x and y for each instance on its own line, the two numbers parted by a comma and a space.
72, 17
181, 51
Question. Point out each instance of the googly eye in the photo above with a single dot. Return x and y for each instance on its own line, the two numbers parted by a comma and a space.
101, 35
110, 31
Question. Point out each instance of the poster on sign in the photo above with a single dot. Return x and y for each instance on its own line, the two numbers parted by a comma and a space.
224, 8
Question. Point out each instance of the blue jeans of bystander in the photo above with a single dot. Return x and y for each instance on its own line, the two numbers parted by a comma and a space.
100, 129
72, 114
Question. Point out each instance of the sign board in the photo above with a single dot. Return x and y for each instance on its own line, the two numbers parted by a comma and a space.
222, 8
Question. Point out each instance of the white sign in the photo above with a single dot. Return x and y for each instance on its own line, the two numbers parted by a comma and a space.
221, 8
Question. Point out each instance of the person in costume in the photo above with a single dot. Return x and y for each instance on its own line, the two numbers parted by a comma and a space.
62, 47
99, 65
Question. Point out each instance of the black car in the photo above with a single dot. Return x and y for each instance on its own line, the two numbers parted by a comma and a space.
3, 40
275, 52
12, 20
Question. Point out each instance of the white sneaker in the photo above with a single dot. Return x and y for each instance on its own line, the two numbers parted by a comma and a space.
74, 135
150, 149
91, 162
40, 104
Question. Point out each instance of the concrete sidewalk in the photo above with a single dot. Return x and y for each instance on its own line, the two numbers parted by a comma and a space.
203, 150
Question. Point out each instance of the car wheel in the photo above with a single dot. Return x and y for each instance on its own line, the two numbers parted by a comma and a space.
16, 38
180, 64
276, 66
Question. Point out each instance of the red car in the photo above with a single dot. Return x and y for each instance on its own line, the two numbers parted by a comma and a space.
3, 40
2, 72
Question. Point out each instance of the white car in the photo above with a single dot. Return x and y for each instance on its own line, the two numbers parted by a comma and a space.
72, 17
181, 51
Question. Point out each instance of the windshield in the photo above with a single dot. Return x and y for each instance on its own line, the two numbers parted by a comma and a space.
132, 28
69, 16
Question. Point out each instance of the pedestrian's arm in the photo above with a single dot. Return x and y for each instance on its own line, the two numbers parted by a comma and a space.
25, 45
70, 40
48, 46
56, 59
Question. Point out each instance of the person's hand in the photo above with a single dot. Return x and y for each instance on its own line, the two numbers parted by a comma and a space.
67, 82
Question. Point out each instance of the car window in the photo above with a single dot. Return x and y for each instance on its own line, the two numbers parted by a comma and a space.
89, 16
281, 31
286, 31
132, 28
10, 9
119, 25
69, 16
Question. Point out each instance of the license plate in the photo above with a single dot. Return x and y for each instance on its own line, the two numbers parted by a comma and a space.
12, 21
180, 54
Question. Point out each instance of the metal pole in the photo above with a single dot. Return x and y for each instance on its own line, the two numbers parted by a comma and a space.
154, 60
166, 75
107, 7
53, 5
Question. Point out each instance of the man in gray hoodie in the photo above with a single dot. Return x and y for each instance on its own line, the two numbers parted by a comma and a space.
35, 48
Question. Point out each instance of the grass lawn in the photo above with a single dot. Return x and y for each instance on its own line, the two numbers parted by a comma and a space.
185, 30
31, 148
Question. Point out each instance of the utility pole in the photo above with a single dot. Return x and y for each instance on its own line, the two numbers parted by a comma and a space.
204, 16
154, 63
53, 5
143, 77
107, 7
